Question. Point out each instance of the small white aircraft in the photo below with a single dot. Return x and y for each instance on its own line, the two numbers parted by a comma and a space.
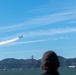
10, 41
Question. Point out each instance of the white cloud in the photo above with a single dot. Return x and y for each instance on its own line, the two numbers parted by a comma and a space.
40, 21
49, 32
40, 40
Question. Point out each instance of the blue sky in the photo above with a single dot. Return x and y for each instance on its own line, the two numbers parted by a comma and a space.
44, 24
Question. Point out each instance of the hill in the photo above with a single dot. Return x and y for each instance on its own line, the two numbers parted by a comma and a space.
11, 63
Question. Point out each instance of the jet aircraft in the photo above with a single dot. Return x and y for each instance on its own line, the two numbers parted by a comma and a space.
10, 41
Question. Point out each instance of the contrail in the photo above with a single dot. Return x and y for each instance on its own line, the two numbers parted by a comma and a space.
10, 41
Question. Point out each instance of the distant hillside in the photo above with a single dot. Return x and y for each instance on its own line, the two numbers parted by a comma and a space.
67, 62
11, 63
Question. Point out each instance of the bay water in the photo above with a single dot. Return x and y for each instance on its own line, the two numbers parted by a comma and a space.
62, 71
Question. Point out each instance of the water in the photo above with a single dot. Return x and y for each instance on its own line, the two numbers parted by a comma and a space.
67, 71
62, 71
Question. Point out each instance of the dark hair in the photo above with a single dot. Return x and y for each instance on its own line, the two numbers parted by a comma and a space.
50, 60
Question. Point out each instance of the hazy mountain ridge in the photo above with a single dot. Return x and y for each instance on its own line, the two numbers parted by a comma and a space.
10, 63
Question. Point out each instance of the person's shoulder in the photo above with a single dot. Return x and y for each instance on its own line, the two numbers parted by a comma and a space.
46, 74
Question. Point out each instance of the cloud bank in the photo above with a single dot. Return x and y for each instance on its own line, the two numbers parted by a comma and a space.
40, 21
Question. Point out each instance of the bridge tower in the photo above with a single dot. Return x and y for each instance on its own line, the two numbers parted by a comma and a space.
33, 62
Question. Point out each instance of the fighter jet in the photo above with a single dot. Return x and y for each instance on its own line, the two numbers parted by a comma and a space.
10, 41
20, 36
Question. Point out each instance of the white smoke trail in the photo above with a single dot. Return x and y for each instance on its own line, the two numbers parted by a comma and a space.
9, 41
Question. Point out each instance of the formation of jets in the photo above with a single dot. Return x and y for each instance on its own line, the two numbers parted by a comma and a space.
10, 41
20, 36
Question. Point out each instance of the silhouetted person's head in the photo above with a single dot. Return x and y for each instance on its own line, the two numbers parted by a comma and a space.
50, 61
